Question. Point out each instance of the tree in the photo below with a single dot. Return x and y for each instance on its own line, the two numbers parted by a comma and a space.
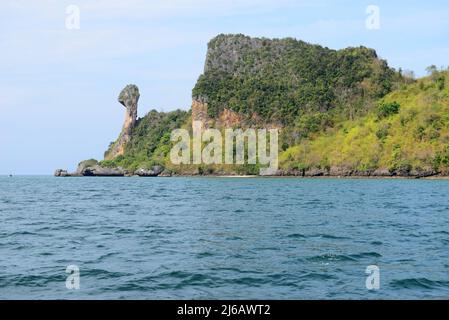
386, 109
431, 70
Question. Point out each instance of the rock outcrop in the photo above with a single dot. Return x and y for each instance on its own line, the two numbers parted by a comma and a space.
153, 172
345, 172
99, 171
227, 118
129, 97
199, 113
90, 168
61, 173
83, 165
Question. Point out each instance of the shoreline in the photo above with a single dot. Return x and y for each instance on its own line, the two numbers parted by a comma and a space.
353, 177
317, 177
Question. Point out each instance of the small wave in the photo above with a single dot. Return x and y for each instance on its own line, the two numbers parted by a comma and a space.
107, 255
22, 233
317, 276
158, 230
249, 281
30, 280
125, 231
237, 270
278, 279
329, 236
296, 236
328, 257
234, 238
102, 274
418, 283
267, 249
129, 286
205, 255
442, 232
181, 279
366, 255
167, 281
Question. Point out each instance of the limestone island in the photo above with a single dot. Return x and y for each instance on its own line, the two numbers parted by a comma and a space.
340, 113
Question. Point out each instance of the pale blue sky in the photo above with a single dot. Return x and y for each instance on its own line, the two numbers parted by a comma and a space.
59, 87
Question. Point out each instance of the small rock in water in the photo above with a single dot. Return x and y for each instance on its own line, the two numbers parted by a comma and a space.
61, 173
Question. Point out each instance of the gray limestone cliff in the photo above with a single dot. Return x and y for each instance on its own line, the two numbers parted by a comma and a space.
129, 97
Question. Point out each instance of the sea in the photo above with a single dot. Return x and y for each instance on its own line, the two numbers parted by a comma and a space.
223, 238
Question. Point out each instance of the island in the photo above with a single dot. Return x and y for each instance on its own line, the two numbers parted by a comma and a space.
340, 113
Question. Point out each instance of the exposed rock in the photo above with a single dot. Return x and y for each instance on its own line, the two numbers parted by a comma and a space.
158, 169
381, 172
85, 164
361, 173
91, 168
199, 113
99, 171
61, 173
65, 173
339, 171
129, 98
226, 119
166, 173
229, 119
422, 173
226, 53
153, 172
315, 172
127, 173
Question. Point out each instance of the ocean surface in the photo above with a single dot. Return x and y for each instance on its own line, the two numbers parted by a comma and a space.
223, 238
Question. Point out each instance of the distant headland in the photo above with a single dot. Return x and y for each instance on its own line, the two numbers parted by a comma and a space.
340, 113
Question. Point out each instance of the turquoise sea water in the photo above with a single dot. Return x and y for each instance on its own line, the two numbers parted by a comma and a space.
223, 238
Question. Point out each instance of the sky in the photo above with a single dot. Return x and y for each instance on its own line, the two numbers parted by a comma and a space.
59, 80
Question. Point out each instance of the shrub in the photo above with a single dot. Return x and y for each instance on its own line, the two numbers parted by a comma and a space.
382, 133
386, 109
313, 123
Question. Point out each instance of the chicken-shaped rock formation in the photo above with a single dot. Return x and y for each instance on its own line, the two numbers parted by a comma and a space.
129, 98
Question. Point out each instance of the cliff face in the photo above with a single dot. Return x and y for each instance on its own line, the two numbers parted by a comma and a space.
129, 97
278, 80
199, 113
226, 119
237, 54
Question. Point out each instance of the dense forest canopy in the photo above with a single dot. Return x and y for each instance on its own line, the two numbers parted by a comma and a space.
282, 79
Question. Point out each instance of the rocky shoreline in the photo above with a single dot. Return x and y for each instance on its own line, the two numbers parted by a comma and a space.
377, 173
91, 168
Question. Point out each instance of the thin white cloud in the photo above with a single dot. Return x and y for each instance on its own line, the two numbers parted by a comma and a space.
142, 9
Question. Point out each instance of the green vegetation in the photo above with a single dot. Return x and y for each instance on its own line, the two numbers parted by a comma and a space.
407, 132
150, 142
386, 109
282, 79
